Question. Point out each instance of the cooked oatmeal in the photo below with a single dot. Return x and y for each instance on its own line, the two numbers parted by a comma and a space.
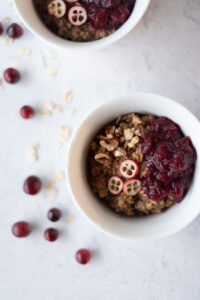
120, 170
98, 18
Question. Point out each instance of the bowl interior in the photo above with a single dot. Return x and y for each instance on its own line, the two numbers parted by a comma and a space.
29, 16
150, 227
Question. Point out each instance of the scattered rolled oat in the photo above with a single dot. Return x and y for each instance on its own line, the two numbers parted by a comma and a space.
48, 105
57, 108
26, 51
6, 20
70, 218
52, 194
71, 111
49, 185
7, 40
51, 71
45, 113
68, 96
58, 176
58, 145
64, 132
32, 153
50, 54
17, 56
1, 84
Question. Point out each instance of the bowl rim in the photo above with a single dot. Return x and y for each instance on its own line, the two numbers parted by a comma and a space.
68, 154
63, 44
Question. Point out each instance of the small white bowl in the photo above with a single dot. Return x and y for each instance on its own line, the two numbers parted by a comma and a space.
28, 14
144, 228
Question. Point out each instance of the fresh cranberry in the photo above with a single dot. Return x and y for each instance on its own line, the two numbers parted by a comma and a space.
27, 112
32, 185
51, 234
54, 214
99, 18
11, 75
21, 229
83, 256
14, 31
1, 29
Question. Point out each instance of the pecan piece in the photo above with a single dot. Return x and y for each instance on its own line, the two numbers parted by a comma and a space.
104, 159
110, 131
119, 152
128, 133
110, 145
118, 131
133, 142
136, 120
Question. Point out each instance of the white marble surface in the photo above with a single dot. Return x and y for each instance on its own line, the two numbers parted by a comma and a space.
161, 55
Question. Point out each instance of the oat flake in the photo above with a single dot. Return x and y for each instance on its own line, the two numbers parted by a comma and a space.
51, 71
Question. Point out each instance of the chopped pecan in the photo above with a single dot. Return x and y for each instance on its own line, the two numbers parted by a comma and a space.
119, 152
125, 118
110, 145
123, 125
110, 131
140, 131
128, 133
136, 120
118, 131
104, 159
133, 142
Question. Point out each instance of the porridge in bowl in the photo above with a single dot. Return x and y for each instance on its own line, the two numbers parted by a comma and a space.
140, 164
85, 20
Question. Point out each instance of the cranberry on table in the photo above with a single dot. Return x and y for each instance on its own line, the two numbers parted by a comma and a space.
1, 29
54, 214
21, 229
32, 185
51, 234
83, 256
11, 75
15, 31
27, 112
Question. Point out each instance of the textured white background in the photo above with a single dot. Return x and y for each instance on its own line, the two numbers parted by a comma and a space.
161, 55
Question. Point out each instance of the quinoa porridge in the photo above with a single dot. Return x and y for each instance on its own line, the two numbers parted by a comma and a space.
85, 20
140, 164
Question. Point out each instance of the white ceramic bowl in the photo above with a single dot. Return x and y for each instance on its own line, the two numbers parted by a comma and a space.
30, 18
144, 228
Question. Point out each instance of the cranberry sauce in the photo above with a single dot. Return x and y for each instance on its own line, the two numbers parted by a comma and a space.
108, 14
170, 160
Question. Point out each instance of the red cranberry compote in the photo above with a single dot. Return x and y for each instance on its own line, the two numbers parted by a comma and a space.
170, 160
108, 14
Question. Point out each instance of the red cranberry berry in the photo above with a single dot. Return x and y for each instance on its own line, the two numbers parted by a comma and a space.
14, 31
21, 229
1, 29
11, 75
54, 214
83, 256
51, 234
32, 185
27, 112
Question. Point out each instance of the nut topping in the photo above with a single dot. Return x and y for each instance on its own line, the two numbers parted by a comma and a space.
110, 145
